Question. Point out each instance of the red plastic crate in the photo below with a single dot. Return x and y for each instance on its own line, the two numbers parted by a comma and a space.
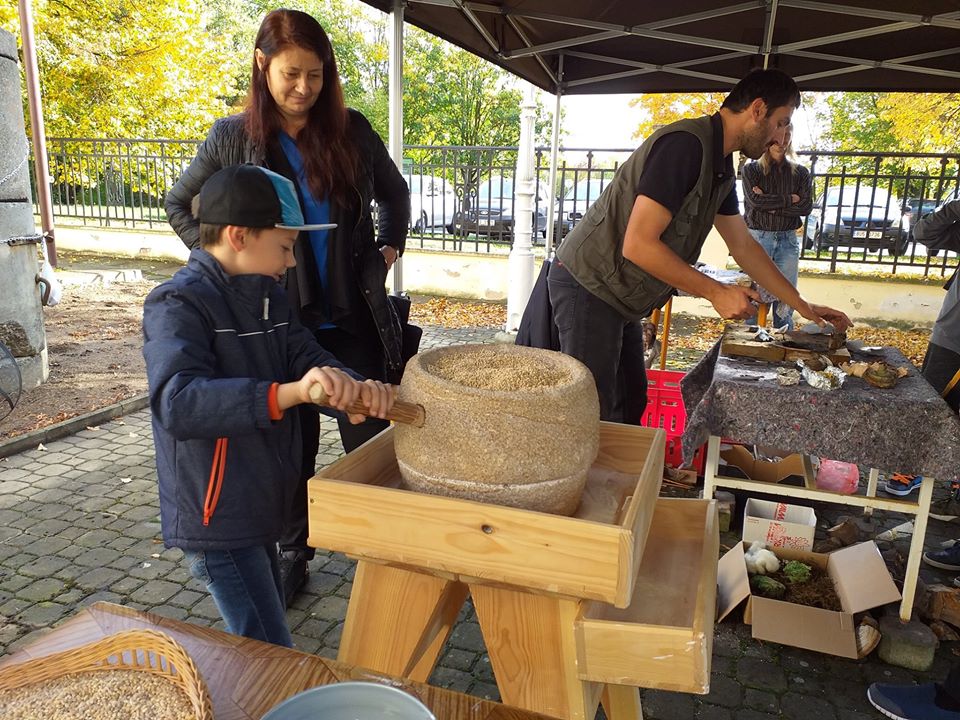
665, 410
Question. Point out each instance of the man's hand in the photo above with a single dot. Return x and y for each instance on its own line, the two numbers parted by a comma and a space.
821, 314
757, 190
733, 302
794, 198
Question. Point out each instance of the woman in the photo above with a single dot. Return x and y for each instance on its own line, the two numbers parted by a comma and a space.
777, 193
295, 123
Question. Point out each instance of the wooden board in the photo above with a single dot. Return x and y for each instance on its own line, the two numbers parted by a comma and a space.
247, 677
357, 507
738, 341
664, 639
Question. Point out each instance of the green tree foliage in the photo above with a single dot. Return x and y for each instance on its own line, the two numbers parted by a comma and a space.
871, 122
118, 68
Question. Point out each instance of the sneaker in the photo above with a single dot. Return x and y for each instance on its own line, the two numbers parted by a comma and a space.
902, 485
946, 559
293, 573
947, 509
912, 702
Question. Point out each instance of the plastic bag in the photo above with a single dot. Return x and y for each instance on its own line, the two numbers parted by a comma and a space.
839, 477
56, 290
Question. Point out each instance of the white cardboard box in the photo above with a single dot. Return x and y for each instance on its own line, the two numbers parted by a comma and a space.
779, 524
859, 576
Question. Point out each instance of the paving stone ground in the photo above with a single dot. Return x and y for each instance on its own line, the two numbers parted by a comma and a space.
79, 523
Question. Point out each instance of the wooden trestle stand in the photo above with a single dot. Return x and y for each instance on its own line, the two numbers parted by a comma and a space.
573, 610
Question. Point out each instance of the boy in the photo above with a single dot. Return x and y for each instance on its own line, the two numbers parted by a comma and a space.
225, 358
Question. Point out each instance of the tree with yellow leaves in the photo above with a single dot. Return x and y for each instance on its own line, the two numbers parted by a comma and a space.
665, 108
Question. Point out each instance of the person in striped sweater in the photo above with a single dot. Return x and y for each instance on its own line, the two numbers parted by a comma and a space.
777, 193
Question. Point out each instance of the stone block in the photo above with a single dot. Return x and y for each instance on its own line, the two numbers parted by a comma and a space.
908, 645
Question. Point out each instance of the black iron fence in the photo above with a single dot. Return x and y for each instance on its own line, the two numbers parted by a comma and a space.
464, 198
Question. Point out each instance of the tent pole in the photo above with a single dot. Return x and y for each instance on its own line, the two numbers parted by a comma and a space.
396, 108
37, 131
520, 262
554, 150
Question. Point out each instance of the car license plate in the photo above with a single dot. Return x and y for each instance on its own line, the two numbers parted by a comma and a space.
872, 234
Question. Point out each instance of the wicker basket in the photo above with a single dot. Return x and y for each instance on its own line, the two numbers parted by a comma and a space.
145, 650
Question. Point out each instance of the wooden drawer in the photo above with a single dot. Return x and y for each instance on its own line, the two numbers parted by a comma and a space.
357, 507
664, 639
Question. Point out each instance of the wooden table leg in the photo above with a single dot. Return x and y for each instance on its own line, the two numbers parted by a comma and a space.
710, 466
872, 480
532, 647
916, 548
621, 702
667, 313
398, 620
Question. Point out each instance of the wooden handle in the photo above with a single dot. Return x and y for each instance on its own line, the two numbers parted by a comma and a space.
402, 412
762, 314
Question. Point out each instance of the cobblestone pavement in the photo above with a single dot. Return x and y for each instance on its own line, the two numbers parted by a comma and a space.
79, 523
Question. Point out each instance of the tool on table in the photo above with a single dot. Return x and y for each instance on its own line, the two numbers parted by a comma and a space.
401, 412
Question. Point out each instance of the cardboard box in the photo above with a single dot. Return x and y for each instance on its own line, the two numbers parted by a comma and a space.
779, 524
762, 470
860, 578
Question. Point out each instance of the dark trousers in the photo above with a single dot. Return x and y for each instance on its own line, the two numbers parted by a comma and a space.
940, 366
364, 356
598, 336
952, 683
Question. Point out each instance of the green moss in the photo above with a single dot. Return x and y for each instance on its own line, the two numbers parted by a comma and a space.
767, 587
796, 572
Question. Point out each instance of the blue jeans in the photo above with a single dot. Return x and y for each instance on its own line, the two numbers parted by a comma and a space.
609, 345
783, 247
245, 584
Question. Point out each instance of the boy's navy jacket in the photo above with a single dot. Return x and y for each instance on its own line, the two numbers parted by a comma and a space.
214, 344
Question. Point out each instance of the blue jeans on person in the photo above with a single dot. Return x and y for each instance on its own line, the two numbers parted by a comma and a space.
602, 339
245, 584
783, 247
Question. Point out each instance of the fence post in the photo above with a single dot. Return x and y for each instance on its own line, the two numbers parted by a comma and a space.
520, 262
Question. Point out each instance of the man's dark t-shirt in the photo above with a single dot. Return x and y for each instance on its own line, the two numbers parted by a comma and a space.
673, 167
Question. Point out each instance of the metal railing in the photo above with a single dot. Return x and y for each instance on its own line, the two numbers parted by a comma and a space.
463, 198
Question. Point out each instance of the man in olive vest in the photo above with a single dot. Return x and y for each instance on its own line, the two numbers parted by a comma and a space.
635, 245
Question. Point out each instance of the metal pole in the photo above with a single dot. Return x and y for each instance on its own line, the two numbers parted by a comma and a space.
520, 263
554, 150
37, 132
396, 108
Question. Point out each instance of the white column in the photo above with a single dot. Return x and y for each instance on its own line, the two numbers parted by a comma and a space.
396, 108
520, 265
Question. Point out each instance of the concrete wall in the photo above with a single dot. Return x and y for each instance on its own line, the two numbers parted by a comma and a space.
483, 276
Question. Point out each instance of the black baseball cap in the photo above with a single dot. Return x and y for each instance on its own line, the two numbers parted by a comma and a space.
252, 196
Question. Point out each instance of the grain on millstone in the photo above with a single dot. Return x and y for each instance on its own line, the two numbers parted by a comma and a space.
487, 369
107, 694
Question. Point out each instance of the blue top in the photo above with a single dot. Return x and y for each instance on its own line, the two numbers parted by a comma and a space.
314, 212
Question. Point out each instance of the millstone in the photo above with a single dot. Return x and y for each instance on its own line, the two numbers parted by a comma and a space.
505, 424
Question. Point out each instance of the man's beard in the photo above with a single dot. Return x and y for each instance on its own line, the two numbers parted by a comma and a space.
755, 144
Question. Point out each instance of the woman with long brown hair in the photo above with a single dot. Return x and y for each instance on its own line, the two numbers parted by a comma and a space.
777, 193
296, 123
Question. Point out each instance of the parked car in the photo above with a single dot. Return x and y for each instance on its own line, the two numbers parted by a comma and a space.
863, 217
432, 202
580, 197
921, 207
491, 211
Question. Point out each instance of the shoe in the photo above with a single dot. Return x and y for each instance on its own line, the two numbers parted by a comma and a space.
293, 573
911, 702
946, 559
902, 485
947, 509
